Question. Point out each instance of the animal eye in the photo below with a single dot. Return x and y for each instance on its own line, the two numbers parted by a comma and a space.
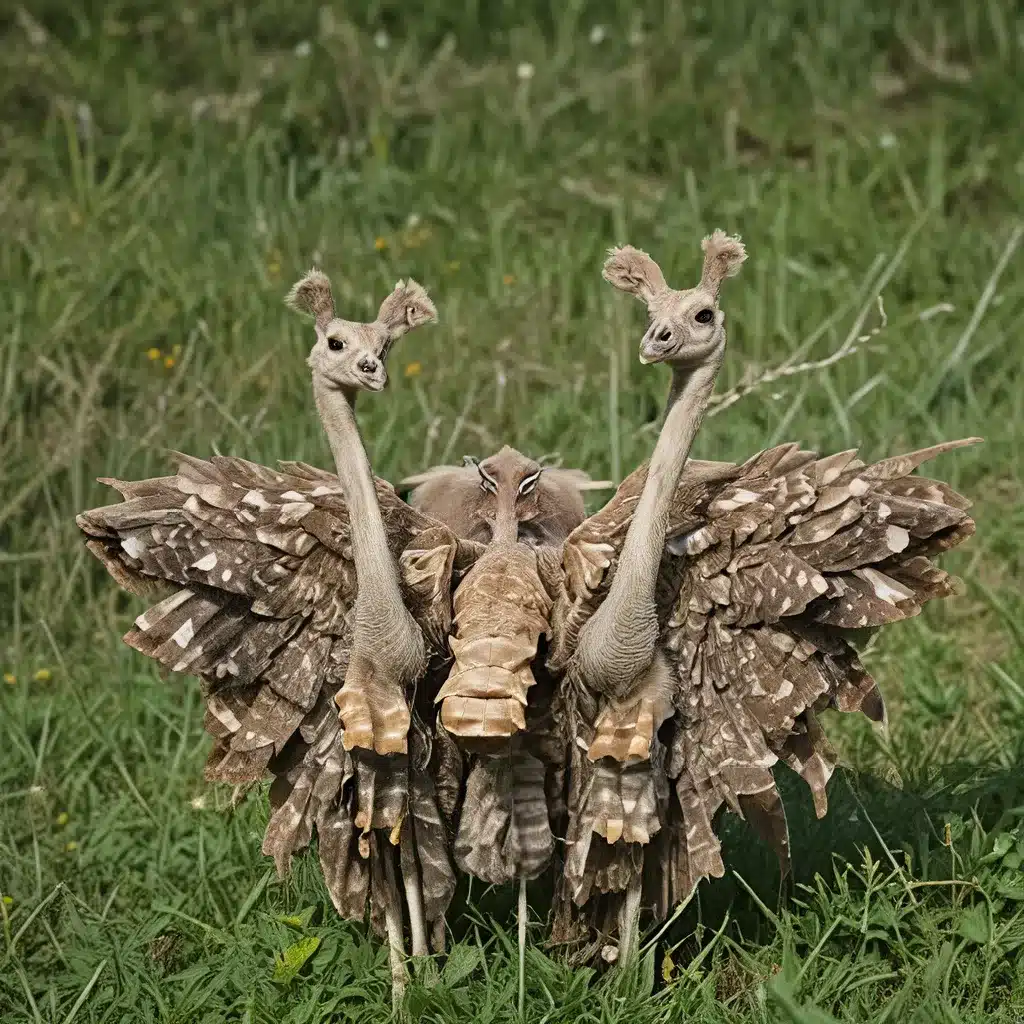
705, 316
335, 344
529, 483
665, 335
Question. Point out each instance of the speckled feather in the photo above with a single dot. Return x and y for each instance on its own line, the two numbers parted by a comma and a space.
766, 567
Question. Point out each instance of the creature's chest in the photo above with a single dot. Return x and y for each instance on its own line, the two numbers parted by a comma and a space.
502, 595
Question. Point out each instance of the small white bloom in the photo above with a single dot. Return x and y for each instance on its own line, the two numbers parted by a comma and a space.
597, 34
524, 72
412, 220
303, 49
199, 802
83, 114
381, 39
887, 140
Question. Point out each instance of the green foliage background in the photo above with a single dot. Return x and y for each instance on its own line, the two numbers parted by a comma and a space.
167, 171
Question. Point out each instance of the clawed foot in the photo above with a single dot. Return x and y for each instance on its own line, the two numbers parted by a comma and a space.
624, 733
375, 716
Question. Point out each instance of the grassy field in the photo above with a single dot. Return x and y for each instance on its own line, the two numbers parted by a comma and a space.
169, 170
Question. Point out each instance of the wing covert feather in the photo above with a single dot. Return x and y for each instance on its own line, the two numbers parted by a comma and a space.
768, 567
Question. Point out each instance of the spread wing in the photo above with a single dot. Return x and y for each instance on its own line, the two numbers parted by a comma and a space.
768, 570
262, 585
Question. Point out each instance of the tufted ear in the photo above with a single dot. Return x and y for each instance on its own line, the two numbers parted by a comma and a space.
632, 270
312, 296
408, 306
723, 255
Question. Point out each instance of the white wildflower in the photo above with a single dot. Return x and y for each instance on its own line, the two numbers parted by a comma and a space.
525, 71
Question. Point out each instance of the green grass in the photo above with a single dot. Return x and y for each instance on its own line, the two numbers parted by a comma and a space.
168, 171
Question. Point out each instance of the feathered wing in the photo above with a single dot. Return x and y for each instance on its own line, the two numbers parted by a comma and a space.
768, 568
259, 565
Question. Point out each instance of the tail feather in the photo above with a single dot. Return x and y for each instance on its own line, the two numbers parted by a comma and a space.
504, 830
809, 754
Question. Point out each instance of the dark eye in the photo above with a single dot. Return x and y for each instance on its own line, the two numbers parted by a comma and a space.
335, 344
705, 316
665, 335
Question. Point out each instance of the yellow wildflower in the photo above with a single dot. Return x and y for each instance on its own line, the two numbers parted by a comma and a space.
413, 369
153, 353
509, 279
71, 847
169, 361
63, 818
10, 678
380, 243
8, 901
43, 675
668, 968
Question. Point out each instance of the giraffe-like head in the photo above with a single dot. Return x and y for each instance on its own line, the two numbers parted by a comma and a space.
353, 355
686, 327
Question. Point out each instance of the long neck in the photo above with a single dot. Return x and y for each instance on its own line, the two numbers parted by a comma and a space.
376, 572
640, 557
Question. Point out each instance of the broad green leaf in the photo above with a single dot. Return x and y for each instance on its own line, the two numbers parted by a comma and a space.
1012, 889
300, 920
974, 925
288, 964
463, 960
1000, 848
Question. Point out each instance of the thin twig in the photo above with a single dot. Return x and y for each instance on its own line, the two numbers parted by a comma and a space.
853, 344
854, 341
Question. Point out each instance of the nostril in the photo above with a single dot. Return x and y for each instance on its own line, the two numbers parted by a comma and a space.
665, 335
368, 365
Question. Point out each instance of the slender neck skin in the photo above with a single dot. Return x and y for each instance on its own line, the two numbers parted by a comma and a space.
641, 553
617, 645
379, 593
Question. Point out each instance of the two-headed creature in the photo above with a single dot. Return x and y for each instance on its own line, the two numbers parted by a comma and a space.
452, 682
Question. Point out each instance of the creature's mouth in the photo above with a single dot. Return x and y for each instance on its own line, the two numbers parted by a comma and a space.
366, 383
654, 354
684, 355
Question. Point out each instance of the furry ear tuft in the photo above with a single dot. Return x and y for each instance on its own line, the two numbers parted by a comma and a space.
312, 296
632, 270
723, 255
408, 306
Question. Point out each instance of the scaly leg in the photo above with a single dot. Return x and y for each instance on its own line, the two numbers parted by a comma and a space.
393, 923
417, 922
522, 948
629, 921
